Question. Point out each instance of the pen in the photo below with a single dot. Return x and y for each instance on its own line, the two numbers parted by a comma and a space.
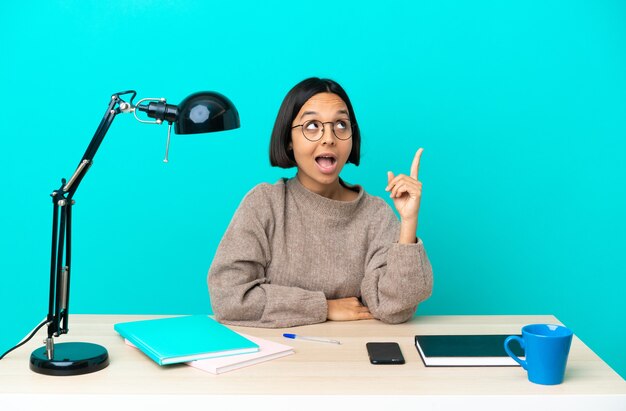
318, 339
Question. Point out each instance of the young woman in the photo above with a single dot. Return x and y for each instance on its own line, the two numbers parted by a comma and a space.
314, 248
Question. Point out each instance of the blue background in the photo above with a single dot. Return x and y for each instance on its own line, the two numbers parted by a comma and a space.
520, 106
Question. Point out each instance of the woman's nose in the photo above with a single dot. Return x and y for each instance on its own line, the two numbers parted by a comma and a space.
327, 135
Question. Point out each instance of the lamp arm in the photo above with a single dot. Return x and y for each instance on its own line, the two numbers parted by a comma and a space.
116, 106
62, 202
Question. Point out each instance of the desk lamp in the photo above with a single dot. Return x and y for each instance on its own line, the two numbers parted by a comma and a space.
202, 112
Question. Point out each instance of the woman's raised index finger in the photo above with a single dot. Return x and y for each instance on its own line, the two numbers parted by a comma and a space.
415, 166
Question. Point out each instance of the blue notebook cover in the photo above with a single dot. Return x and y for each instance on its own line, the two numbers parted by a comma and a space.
181, 339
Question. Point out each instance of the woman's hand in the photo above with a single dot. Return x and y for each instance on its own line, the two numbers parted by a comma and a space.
406, 191
347, 309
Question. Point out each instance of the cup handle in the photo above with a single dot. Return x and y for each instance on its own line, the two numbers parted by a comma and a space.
508, 350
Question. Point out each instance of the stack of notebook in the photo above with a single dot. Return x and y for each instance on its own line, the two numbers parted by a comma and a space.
199, 341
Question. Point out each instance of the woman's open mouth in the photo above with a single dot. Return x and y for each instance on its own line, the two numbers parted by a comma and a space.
326, 163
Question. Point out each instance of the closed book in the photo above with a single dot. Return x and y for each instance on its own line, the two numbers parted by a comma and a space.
181, 339
466, 350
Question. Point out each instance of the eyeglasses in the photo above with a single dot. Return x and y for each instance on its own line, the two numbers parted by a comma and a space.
313, 130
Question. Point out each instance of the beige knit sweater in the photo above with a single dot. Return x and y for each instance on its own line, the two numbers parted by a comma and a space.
287, 250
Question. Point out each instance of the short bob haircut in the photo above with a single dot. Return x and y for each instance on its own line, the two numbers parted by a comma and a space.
280, 155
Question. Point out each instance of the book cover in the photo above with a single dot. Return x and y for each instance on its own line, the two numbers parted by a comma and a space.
181, 339
268, 350
466, 350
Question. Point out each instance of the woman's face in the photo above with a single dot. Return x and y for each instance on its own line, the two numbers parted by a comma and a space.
320, 162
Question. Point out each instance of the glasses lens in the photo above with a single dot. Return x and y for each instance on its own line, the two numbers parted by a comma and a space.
342, 129
313, 129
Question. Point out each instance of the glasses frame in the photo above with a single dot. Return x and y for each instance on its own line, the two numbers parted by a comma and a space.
324, 129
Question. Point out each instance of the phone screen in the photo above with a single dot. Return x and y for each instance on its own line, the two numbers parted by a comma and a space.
384, 353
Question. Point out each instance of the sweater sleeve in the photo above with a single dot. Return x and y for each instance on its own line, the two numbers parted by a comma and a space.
397, 276
239, 289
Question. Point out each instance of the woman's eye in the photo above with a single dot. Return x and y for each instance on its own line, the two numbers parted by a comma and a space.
341, 124
312, 126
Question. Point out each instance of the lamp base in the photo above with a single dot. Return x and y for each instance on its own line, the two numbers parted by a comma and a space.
70, 358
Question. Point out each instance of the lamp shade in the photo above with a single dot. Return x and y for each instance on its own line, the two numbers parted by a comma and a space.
206, 112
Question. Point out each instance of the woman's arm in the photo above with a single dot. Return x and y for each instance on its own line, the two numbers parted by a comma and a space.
397, 276
239, 290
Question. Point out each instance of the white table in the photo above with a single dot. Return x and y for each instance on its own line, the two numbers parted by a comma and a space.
318, 375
